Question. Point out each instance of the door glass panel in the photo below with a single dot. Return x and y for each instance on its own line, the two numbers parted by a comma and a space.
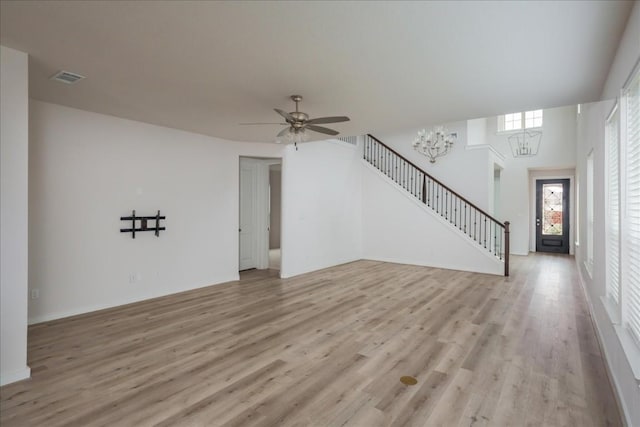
552, 209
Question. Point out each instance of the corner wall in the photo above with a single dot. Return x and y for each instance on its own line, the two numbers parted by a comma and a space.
87, 170
321, 214
14, 172
626, 55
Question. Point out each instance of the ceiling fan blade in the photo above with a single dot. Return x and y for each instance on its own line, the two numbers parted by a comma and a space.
321, 120
283, 132
286, 115
321, 129
246, 124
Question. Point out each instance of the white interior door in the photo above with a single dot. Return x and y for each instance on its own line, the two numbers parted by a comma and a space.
248, 217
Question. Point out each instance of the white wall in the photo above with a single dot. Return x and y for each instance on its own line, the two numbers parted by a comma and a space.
321, 215
626, 56
591, 138
399, 228
557, 151
87, 170
14, 148
477, 131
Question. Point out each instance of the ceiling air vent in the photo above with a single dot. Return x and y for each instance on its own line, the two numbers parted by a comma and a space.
66, 77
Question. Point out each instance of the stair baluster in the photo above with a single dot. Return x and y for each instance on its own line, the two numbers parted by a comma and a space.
444, 201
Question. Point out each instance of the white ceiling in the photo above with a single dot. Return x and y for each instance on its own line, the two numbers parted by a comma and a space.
207, 66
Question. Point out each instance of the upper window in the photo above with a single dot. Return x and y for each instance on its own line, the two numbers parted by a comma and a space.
533, 119
518, 121
512, 121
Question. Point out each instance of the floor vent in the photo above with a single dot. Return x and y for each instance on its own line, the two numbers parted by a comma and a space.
408, 380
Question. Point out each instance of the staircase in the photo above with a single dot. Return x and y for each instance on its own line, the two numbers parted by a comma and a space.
489, 233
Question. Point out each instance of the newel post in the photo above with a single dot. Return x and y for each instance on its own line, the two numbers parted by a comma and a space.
506, 248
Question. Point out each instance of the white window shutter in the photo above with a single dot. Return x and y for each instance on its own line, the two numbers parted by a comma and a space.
631, 224
612, 135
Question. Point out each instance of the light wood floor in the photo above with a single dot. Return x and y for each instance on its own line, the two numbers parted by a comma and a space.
329, 348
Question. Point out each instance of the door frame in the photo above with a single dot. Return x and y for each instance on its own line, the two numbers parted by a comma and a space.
246, 163
536, 174
261, 208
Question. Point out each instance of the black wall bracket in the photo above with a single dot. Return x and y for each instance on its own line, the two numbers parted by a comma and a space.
144, 225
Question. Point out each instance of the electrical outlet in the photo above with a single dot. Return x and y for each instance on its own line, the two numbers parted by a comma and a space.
35, 293
132, 277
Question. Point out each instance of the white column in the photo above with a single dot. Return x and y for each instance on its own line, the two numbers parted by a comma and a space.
14, 163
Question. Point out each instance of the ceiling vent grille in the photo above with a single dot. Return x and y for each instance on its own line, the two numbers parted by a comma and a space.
349, 139
67, 77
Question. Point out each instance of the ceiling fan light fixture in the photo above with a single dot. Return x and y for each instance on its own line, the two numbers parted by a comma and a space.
294, 136
298, 122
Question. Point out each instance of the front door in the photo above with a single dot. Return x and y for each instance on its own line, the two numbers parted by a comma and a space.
552, 215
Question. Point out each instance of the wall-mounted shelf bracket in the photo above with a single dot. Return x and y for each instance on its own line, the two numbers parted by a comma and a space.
144, 225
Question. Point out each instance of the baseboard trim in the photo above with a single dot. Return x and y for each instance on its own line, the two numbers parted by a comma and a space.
15, 376
612, 379
498, 272
91, 309
287, 274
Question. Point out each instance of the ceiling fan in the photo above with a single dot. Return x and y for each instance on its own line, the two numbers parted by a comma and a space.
298, 122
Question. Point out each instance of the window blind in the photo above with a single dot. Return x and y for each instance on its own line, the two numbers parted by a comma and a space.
590, 212
632, 206
612, 136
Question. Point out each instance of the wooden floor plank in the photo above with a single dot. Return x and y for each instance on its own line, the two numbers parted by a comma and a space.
328, 348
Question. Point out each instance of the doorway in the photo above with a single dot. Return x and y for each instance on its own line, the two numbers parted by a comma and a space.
552, 215
275, 202
497, 171
259, 213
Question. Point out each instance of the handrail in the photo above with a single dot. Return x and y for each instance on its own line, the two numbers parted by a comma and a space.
477, 224
507, 248
464, 199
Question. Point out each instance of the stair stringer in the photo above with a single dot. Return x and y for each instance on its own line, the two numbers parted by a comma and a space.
399, 228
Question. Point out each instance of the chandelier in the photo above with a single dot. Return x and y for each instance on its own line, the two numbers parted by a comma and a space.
525, 143
434, 143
